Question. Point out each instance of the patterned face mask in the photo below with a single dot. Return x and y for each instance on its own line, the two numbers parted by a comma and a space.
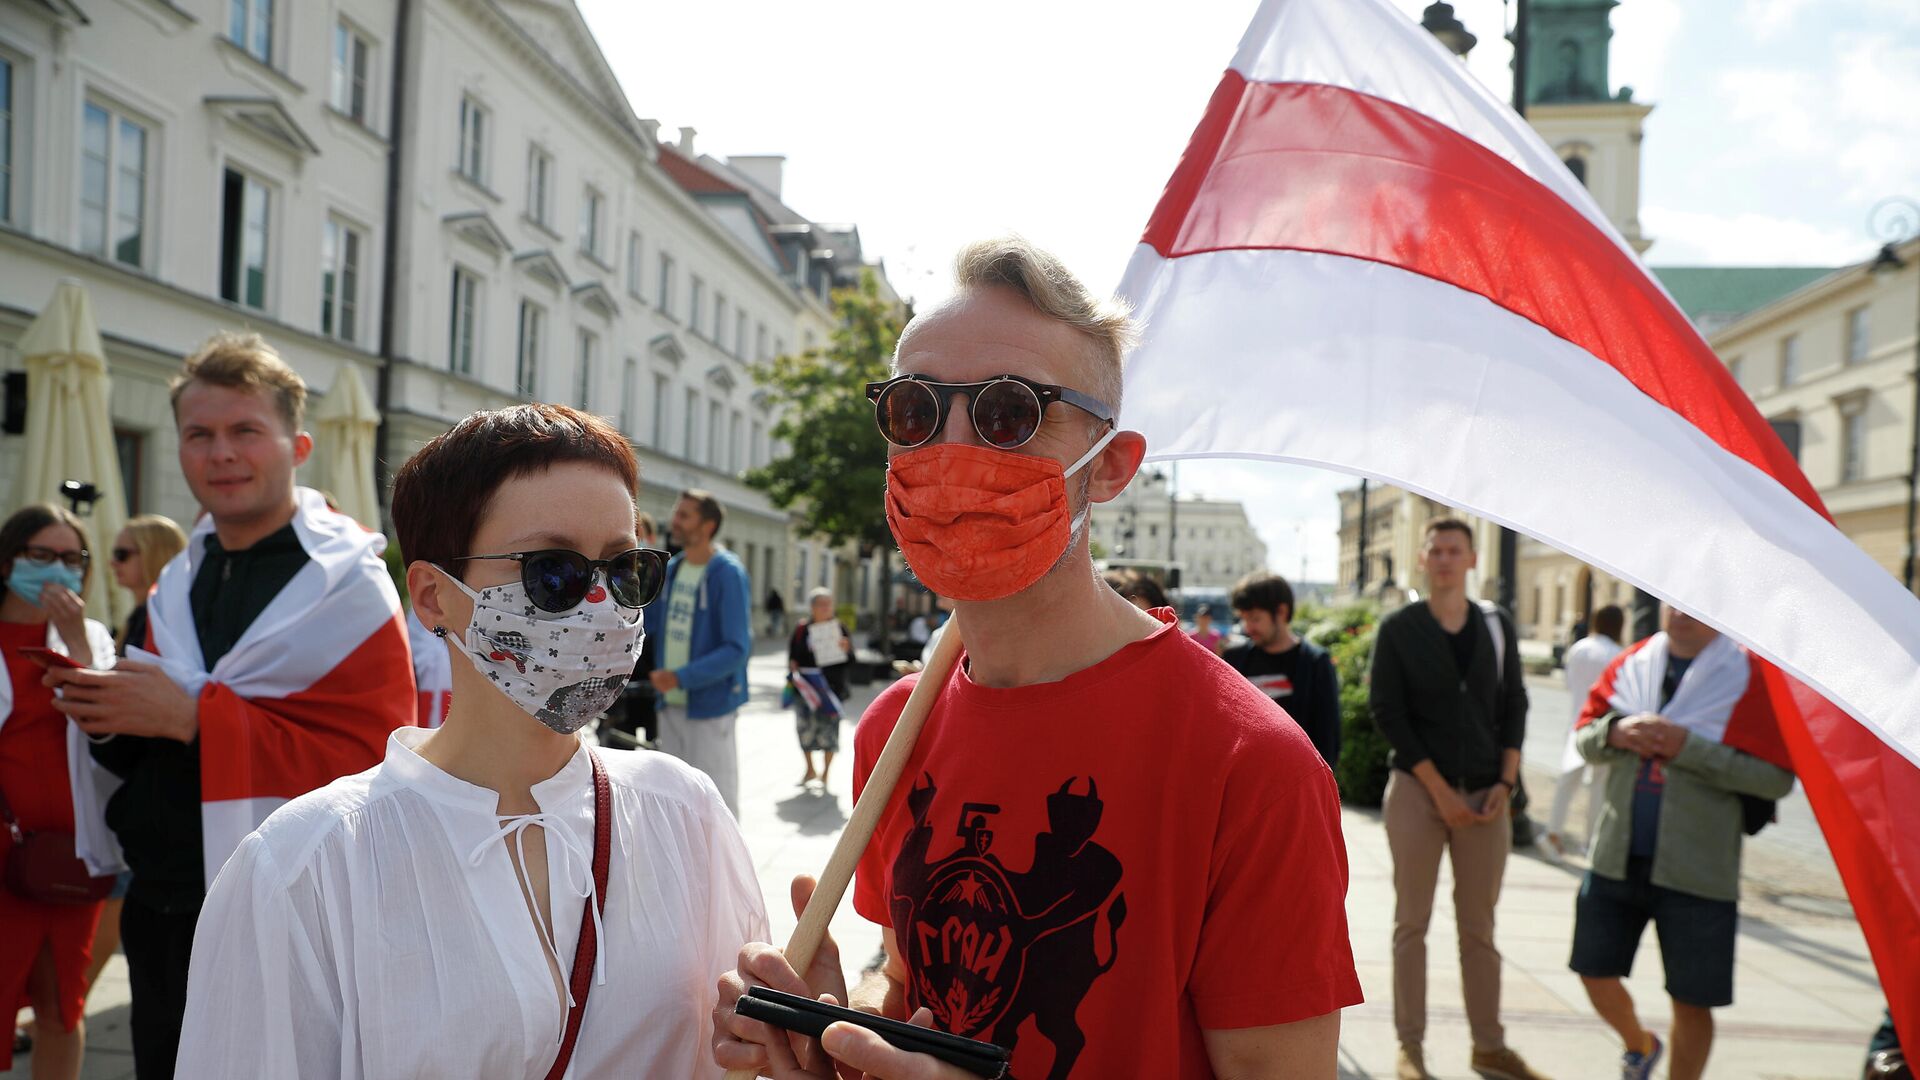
563, 669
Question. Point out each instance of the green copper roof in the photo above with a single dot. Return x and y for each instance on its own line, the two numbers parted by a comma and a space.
1717, 295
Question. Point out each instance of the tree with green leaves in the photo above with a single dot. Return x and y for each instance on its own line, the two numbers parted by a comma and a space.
834, 473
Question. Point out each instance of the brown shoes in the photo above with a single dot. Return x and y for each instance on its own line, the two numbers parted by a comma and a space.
1413, 1064
1502, 1064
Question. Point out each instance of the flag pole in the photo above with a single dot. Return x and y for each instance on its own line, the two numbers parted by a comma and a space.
812, 927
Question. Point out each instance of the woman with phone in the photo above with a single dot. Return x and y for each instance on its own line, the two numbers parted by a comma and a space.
496, 898
44, 946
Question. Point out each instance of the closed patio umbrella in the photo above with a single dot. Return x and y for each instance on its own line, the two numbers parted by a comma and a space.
70, 431
344, 430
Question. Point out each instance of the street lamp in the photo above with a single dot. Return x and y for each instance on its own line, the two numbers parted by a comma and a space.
1895, 221
1440, 21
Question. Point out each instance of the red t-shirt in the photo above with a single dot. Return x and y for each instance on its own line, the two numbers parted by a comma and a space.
1099, 868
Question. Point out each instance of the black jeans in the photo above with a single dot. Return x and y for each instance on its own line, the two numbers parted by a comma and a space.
157, 945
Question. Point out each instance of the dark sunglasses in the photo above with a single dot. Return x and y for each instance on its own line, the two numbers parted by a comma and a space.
46, 556
557, 579
121, 555
1005, 411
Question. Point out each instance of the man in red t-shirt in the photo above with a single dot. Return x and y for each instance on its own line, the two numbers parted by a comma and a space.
1108, 852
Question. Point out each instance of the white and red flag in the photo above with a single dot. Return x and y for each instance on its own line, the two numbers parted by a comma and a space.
1365, 261
307, 695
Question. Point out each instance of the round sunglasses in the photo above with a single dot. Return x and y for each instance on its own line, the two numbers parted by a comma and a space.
557, 579
1006, 411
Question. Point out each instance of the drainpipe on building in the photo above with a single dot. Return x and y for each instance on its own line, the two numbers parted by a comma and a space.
390, 283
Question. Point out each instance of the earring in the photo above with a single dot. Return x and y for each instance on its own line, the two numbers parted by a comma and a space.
439, 631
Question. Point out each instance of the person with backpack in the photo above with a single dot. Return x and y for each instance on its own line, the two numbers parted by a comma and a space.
1447, 695
1685, 721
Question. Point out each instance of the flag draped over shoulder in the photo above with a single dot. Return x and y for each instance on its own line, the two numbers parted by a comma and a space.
1722, 697
1365, 261
307, 695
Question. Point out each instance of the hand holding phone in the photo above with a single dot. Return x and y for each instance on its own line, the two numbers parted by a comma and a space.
808, 1017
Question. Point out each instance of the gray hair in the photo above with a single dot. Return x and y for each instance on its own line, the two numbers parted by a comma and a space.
821, 593
1013, 262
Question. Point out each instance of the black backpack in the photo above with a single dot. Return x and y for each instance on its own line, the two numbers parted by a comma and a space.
1756, 813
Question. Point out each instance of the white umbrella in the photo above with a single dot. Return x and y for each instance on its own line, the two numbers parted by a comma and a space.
70, 431
344, 431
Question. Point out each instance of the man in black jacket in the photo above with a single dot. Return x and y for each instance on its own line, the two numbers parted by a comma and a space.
1298, 675
1449, 699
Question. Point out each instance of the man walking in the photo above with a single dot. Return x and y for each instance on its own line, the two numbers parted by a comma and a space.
1298, 675
1142, 854
277, 661
702, 677
1455, 714
1583, 663
1685, 720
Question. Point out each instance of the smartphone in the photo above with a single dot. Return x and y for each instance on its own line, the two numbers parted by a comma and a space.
46, 657
809, 1017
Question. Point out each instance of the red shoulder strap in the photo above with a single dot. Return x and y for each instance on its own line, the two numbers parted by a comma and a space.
585, 951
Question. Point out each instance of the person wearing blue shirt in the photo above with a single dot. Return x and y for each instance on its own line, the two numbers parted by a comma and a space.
702, 674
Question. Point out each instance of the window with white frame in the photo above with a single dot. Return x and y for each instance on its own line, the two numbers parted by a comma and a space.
736, 452
1857, 327
341, 247
591, 204
716, 430
351, 67
474, 121
757, 449
6, 138
720, 320
693, 416
779, 347
739, 335
246, 214
250, 26
540, 186
697, 304
633, 265
113, 185
629, 382
464, 329
1789, 360
760, 343
1853, 440
526, 353
588, 354
665, 285
662, 387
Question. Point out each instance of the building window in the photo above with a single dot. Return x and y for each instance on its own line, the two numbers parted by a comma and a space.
466, 320
250, 26
760, 343
779, 347
590, 204
6, 139
1577, 165
540, 186
736, 456
697, 304
1789, 360
1788, 429
660, 383
130, 447
633, 265
473, 141
756, 450
739, 335
340, 248
245, 209
720, 320
1734, 367
693, 416
715, 430
1853, 442
583, 374
629, 382
1857, 335
665, 285
113, 186
350, 51
526, 354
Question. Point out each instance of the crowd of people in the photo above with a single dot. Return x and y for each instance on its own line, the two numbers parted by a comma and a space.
340, 834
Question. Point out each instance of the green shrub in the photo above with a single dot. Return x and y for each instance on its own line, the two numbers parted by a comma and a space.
1362, 773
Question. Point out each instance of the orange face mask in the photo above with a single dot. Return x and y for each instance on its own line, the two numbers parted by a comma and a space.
975, 523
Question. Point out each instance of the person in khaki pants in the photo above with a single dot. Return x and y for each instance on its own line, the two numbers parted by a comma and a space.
1447, 694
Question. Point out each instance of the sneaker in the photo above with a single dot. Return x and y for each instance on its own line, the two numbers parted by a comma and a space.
1502, 1064
1635, 1065
1413, 1063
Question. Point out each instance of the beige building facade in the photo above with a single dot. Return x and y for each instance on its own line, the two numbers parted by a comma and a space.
1212, 541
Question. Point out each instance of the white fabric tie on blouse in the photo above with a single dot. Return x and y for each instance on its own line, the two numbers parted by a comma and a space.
574, 858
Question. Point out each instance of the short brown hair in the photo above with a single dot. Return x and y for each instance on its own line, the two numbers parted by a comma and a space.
1440, 525
1261, 591
31, 518
708, 507
1042, 280
244, 362
443, 491
1610, 621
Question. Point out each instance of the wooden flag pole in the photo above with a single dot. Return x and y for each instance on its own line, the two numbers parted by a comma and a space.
812, 928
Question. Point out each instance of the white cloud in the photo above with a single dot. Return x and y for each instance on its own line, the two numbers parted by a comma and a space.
1643, 35
1704, 238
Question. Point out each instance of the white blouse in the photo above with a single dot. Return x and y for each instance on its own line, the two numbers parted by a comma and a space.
376, 929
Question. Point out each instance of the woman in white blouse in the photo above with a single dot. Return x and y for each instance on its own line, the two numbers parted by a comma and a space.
422, 919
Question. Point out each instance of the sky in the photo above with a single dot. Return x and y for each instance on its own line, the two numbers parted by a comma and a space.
1777, 127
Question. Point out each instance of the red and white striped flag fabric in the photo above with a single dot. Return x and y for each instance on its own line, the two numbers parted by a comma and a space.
307, 695
1367, 262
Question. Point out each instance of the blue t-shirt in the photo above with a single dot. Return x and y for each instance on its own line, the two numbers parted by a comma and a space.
1650, 783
